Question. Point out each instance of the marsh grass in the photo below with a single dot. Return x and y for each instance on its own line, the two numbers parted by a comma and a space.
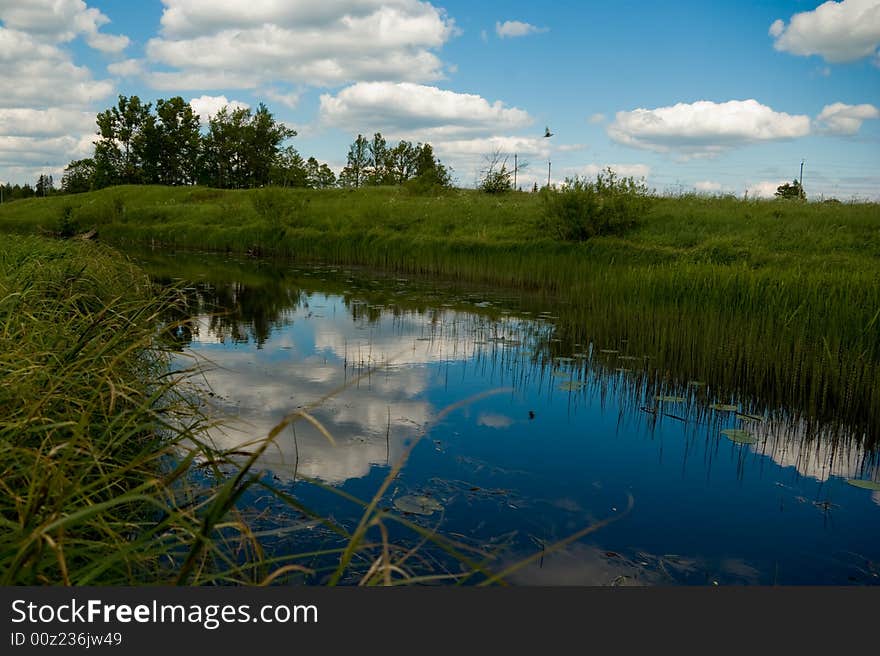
100, 437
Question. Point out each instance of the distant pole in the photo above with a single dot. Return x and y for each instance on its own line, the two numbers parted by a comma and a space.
548, 172
801, 183
515, 167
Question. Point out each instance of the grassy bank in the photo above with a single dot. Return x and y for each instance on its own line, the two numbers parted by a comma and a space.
769, 298
105, 474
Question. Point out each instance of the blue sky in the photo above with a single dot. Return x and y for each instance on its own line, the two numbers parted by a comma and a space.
714, 96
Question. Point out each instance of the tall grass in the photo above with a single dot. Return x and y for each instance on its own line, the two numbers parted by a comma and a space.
786, 291
99, 439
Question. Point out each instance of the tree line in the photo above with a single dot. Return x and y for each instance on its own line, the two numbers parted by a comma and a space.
165, 144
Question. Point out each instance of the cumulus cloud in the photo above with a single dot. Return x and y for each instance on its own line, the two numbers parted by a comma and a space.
592, 170
126, 68
207, 106
705, 128
59, 21
426, 112
837, 31
763, 189
290, 99
843, 119
708, 186
45, 117
40, 74
512, 29
213, 44
596, 119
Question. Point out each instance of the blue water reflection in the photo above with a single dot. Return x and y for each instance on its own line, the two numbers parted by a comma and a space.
548, 446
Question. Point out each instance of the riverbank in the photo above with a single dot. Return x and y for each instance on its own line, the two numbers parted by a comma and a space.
772, 299
107, 474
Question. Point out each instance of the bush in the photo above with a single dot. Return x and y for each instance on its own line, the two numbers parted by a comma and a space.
582, 208
67, 225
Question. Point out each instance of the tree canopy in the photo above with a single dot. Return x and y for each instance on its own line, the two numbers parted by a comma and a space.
166, 144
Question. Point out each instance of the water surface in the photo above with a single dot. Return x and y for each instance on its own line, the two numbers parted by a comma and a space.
516, 435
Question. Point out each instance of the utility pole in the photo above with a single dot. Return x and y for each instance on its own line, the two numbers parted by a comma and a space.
548, 173
515, 168
801, 183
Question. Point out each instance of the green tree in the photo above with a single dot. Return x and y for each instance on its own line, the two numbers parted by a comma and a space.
403, 162
177, 142
45, 185
118, 154
792, 191
379, 169
289, 169
357, 164
495, 177
78, 176
263, 138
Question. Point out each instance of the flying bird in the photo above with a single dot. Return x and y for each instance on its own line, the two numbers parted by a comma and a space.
547, 132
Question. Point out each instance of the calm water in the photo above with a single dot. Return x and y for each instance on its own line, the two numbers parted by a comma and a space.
517, 439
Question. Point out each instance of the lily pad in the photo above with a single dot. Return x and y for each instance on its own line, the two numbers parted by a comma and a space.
570, 386
563, 360
724, 407
417, 504
609, 351
739, 436
742, 415
630, 358
865, 485
671, 399
561, 373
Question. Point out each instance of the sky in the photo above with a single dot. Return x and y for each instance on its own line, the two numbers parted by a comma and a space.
713, 97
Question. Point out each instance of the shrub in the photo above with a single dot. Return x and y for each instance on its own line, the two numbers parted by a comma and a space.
67, 225
581, 208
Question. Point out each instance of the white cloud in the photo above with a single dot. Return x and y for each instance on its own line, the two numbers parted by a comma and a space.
126, 68
479, 146
207, 106
290, 99
46, 115
837, 31
705, 128
596, 119
54, 122
512, 29
42, 75
708, 186
571, 148
625, 170
764, 189
216, 44
843, 119
59, 21
417, 111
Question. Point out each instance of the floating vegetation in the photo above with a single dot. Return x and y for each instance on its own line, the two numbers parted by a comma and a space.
609, 351
561, 373
696, 383
630, 358
863, 484
570, 386
724, 407
747, 417
417, 504
563, 360
671, 399
739, 436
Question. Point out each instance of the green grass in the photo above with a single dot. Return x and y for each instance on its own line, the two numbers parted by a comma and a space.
785, 292
100, 438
